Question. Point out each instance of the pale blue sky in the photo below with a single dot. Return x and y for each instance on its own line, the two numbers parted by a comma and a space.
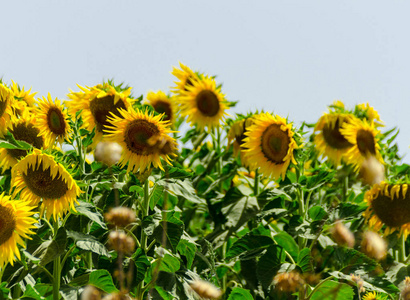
290, 57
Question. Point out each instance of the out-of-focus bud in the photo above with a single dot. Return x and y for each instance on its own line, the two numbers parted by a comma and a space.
342, 235
372, 170
405, 292
373, 245
121, 242
108, 153
206, 290
117, 296
90, 293
120, 216
312, 278
359, 282
288, 282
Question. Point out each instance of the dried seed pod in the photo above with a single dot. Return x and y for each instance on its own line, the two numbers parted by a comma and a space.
288, 282
342, 235
121, 242
373, 245
359, 282
108, 153
120, 216
405, 292
206, 290
90, 293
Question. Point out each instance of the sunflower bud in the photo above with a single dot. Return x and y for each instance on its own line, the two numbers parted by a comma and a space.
206, 289
288, 282
373, 245
108, 153
372, 170
120, 216
342, 235
121, 242
90, 293
359, 282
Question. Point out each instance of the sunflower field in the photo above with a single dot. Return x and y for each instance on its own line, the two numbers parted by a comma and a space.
107, 195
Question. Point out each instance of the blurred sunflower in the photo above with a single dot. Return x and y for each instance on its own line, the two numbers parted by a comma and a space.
329, 141
24, 99
162, 105
6, 104
363, 137
203, 103
97, 103
52, 121
39, 177
270, 144
389, 204
367, 112
143, 138
236, 134
186, 76
23, 129
15, 224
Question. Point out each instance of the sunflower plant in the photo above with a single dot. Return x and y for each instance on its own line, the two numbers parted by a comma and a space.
109, 196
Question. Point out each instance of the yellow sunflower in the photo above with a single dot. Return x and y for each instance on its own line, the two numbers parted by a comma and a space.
39, 177
24, 99
185, 75
374, 296
96, 104
203, 103
23, 129
270, 144
389, 204
52, 121
237, 135
6, 104
15, 223
363, 137
367, 112
329, 141
143, 138
162, 105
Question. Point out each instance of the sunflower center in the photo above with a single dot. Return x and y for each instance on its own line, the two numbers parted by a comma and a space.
365, 142
41, 182
275, 144
137, 134
27, 133
393, 213
101, 109
163, 107
334, 138
55, 121
207, 103
3, 106
7, 224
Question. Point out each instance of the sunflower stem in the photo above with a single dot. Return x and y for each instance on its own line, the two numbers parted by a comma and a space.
402, 249
56, 269
256, 183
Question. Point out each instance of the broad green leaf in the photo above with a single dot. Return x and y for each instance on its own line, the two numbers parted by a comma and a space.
54, 248
155, 195
169, 264
248, 245
88, 210
240, 294
141, 265
38, 292
4, 291
288, 243
102, 279
187, 249
317, 213
332, 290
88, 242
269, 264
241, 211
304, 260
182, 188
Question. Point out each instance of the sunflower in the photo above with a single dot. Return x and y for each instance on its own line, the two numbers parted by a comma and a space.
52, 120
162, 105
39, 177
6, 104
374, 296
329, 141
24, 99
186, 76
96, 104
389, 204
363, 137
15, 223
237, 135
367, 112
269, 145
23, 129
143, 138
203, 103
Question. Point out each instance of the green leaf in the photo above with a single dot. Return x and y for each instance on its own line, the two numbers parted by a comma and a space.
241, 211
288, 243
171, 230
188, 249
88, 210
240, 294
155, 195
248, 245
53, 249
317, 213
99, 278
38, 292
269, 264
88, 242
332, 290
141, 265
169, 264
304, 260
4, 292
182, 188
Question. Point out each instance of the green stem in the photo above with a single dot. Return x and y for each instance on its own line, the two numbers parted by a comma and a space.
256, 183
402, 249
56, 269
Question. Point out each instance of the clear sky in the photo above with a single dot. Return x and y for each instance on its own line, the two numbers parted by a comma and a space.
290, 57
